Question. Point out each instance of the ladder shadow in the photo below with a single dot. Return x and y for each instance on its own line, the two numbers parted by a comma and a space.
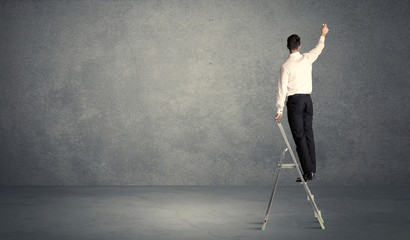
254, 224
314, 227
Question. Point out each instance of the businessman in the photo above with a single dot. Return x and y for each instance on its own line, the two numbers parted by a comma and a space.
295, 82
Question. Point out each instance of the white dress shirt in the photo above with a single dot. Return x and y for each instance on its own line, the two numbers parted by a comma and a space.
295, 75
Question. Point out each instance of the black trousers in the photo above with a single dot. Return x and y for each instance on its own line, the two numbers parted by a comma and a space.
300, 116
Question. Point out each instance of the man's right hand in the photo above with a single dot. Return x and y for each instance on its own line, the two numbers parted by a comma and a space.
278, 116
325, 30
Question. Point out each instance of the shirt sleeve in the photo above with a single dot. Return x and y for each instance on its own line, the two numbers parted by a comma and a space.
315, 52
282, 89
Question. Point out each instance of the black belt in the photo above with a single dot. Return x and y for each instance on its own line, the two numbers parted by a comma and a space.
296, 95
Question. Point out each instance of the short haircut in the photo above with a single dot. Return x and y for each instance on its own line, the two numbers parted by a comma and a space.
293, 42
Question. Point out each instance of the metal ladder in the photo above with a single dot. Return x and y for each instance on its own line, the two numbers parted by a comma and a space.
295, 164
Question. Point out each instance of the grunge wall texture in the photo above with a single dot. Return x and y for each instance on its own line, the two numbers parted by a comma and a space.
183, 92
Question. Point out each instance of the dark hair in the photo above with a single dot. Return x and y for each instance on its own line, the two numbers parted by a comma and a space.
293, 42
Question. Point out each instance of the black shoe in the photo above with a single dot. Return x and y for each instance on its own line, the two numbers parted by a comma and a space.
307, 177
310, 176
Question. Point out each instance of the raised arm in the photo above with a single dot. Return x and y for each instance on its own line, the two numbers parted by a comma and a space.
315, 52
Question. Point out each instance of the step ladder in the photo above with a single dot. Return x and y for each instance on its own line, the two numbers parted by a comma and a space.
317, 213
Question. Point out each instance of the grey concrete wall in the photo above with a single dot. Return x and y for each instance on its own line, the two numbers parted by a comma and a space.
183, 92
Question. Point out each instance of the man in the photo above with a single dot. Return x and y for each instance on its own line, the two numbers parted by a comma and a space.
295, 81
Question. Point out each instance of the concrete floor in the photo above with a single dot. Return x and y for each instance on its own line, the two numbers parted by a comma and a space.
199, 212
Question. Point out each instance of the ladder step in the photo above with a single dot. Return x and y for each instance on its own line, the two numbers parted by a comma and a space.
287, 165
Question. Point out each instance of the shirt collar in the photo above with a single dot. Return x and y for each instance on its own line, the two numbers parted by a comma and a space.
294, 54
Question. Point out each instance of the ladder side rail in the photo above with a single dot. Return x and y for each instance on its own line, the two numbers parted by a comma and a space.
265, 221
315, 208
290, 148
